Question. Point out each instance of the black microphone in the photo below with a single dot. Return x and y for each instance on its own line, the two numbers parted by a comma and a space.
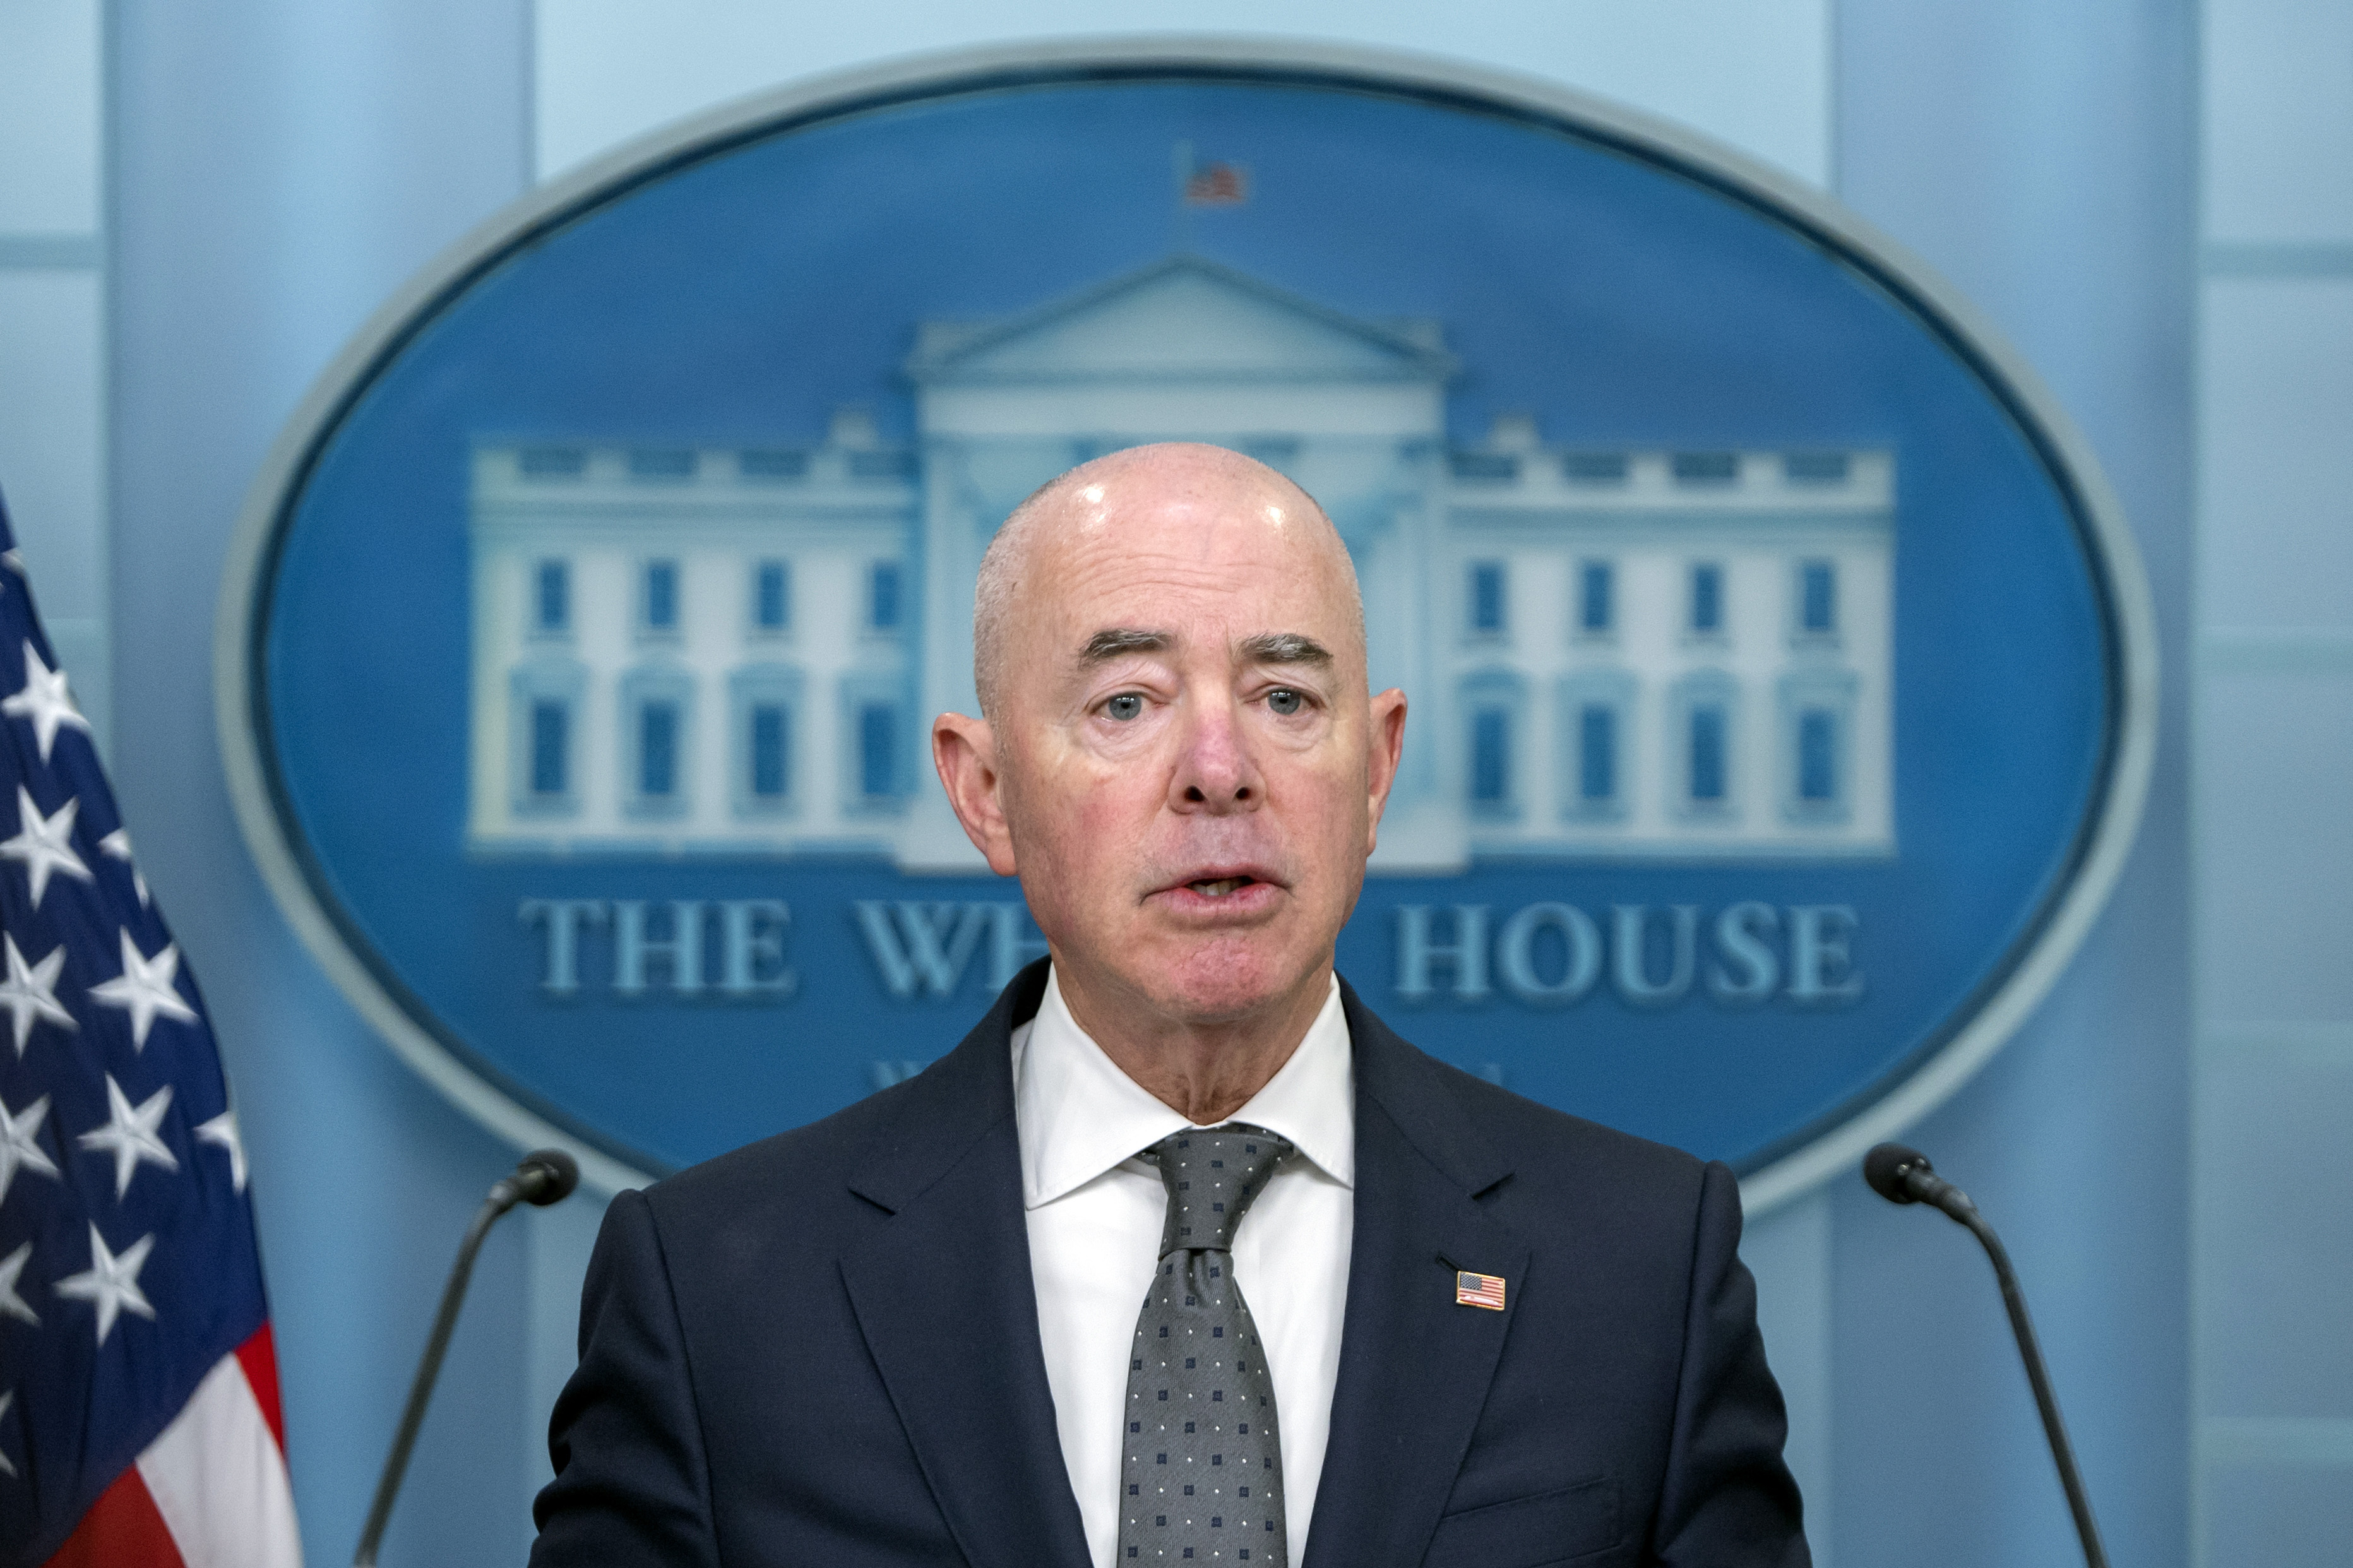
544, 1176
1904, 1176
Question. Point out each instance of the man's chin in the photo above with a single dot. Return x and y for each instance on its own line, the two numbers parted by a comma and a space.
1222, 981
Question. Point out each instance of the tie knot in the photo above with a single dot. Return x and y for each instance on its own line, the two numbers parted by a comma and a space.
1213, 1174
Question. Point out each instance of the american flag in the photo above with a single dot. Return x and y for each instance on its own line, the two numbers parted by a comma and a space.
139, 1415
1479, 1290
1217, 185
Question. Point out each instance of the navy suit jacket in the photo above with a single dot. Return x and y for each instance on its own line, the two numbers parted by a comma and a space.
823, 1348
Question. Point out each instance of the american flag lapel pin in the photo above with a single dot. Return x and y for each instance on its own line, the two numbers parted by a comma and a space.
1478, 1290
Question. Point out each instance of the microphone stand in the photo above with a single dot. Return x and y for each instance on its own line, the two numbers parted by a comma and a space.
2030, 1350
1904, 1176
544, 1177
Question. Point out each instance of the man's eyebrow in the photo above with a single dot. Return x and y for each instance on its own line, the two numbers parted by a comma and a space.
1283, 647
1120, 641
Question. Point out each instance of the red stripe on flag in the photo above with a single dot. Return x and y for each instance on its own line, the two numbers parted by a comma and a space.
121, 1530
258, 1356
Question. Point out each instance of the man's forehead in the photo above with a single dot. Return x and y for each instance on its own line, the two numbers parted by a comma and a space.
1195, 560
1179, 547
1178, 503
1197, 596
1173, 548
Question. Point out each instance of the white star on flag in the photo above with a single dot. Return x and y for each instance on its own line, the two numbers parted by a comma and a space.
7, 1399
118, 845
11, 1268
111, 1283
44, 843
30, 990
129, 1133
44, 701
145, 988
222, 1129
20, 1147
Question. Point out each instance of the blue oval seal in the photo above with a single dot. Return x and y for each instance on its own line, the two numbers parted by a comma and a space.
1781, 674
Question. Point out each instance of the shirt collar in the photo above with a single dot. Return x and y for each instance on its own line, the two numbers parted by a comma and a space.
1079, 1115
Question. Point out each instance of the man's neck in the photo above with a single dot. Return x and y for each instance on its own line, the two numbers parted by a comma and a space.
1204, 1069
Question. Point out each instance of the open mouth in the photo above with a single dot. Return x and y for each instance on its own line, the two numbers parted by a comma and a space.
1221, 887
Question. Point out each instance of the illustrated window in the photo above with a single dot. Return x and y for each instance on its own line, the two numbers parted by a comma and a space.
658, 597
1597, 598
1488, 600
771, 596
1706, 599
551, 597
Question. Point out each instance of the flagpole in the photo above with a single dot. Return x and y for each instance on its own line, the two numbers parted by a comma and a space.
1180, 214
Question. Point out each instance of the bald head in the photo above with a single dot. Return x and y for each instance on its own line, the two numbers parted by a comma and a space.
1178, 484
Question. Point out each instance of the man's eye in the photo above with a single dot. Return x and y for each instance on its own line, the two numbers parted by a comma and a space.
1126, 706
1284, 701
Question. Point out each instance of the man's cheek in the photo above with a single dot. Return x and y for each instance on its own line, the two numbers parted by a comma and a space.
1114, 795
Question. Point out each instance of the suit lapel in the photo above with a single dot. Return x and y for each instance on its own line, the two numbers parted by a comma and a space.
1414, 1365
944, 1296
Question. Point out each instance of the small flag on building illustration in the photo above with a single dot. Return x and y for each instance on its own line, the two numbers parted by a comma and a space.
1217, 185
139, 1410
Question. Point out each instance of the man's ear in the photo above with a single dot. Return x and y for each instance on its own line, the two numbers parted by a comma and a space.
1384, 739
964, 751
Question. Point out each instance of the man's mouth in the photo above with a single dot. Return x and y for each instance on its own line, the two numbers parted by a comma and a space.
1236, 890
1220, 887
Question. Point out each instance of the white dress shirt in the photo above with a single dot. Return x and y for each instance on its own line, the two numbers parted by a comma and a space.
1096, 1211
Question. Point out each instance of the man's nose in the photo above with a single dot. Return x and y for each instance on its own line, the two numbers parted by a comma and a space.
1215, 773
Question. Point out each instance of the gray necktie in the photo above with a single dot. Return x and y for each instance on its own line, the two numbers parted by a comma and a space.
1201, 1471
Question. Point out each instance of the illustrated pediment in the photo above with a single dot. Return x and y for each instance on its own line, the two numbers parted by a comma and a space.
1182, 319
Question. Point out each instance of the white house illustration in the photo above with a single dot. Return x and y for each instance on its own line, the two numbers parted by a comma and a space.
1662, 654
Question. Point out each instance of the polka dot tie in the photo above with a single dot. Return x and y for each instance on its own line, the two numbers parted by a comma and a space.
1201, 1477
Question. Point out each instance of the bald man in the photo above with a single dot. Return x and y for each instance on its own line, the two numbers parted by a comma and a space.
1182, 1256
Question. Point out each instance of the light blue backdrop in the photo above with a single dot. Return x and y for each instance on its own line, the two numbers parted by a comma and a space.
278, 168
